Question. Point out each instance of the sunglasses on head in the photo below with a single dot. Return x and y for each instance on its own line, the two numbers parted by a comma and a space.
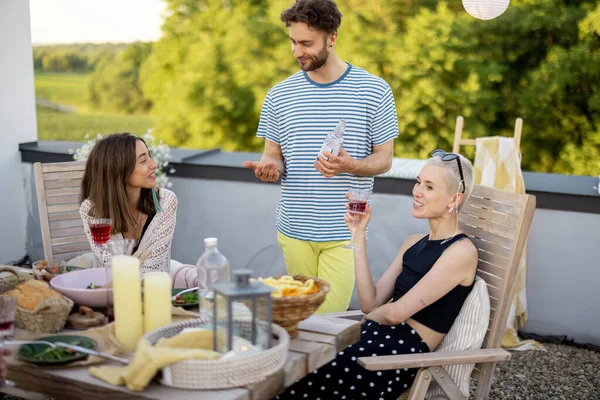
449, 157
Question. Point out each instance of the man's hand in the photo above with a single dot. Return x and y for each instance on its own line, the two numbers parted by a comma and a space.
331, 165
265, 171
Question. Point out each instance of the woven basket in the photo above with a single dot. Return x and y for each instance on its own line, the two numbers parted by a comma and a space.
222, 374
289, 311
14, 277
49, 316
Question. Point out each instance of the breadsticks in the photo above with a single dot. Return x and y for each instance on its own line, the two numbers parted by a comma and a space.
287, 286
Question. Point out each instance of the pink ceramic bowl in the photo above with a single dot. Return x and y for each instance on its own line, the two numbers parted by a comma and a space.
74, 286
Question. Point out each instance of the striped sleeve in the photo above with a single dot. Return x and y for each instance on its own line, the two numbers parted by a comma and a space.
385, 121
268, 126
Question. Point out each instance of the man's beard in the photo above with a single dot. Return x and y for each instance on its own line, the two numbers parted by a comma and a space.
316, 62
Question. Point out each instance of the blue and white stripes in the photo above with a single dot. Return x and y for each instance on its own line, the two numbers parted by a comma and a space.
298, 114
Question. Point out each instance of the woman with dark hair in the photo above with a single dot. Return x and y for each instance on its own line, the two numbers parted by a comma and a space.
120, 183
415, 302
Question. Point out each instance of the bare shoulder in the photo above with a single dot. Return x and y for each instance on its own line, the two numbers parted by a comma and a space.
465, 252
467, 246
408, 243
412, 239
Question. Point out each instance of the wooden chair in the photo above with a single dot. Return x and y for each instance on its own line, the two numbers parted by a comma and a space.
498, 222
58, 186
459, 141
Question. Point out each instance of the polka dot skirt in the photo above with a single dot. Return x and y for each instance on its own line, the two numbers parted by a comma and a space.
343, 378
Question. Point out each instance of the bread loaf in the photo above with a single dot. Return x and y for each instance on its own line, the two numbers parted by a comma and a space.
31, 293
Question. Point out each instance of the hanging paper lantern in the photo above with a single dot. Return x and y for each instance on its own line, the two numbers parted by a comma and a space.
485, 9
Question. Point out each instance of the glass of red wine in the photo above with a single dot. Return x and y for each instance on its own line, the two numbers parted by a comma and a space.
100, 230
357, 205
8, 307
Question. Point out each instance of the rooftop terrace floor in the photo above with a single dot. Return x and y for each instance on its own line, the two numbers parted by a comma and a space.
561, 372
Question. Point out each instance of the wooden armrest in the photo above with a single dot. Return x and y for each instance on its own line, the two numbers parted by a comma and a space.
353, 314
434, 359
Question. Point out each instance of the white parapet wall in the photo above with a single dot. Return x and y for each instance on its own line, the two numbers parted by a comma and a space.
562, 266
17, 123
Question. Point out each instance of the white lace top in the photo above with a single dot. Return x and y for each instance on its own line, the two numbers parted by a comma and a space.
155, 246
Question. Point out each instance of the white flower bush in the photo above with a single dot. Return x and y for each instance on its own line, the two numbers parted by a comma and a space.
160, 152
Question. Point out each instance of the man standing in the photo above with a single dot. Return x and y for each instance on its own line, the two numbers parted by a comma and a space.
297, 115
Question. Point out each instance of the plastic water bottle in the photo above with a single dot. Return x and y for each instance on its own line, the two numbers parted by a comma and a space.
334, 140
216, 266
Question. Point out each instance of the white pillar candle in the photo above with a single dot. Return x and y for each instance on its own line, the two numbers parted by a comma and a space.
157, 300
127, 298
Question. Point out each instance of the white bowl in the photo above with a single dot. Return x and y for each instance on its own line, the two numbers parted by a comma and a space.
74, 286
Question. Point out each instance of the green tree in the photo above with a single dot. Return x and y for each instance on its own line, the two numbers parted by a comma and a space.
492, 72
562, 102
61, 60
115, 84
425, 60
209, 73
77, 57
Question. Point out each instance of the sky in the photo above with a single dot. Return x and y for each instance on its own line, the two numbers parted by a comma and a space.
95, 21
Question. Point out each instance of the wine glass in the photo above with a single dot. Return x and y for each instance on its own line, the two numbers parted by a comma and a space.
8, 307
100, 230
357, 205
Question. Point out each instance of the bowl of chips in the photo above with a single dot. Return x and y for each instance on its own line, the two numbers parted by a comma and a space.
295, 298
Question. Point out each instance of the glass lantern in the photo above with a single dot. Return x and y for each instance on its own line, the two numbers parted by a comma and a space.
255, 327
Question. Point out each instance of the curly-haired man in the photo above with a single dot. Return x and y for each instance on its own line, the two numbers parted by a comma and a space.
297, 115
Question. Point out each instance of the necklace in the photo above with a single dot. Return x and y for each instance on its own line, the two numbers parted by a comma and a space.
134, 234
138, 221
139, 238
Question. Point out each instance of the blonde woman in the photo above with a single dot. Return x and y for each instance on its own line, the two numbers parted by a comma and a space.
415, 302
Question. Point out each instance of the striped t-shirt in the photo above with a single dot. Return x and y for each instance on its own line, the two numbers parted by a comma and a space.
297, 114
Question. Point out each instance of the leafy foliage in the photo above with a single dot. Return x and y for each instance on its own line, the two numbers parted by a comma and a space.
205, 80
79, 57
115, 83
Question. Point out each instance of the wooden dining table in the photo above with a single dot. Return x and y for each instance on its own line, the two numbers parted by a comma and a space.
318, 341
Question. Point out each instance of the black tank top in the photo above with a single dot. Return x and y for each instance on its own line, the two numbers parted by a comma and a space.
416, 262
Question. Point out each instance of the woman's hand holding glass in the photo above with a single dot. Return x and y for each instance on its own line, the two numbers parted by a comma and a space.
357, 223
358, 214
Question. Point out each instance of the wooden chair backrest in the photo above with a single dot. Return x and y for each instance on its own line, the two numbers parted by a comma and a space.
58, 187
498, 222
460, 141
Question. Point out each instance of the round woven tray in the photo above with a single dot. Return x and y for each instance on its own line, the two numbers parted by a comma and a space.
222, 374
289, 311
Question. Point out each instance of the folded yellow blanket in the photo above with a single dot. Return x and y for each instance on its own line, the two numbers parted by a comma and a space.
148, 359
498, 164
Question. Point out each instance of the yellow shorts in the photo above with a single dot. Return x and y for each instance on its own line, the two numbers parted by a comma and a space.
325, 260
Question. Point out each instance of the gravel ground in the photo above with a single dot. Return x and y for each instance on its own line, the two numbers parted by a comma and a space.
561, 373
